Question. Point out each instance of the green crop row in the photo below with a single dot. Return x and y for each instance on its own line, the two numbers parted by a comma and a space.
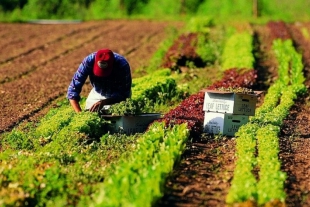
271, 179
262, 133
243, 185
158, 87
138, 179
51, 171
238, 52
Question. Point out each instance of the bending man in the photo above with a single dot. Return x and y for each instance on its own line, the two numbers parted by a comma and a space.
110, 76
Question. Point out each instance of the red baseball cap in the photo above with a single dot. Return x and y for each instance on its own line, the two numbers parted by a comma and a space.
103, 65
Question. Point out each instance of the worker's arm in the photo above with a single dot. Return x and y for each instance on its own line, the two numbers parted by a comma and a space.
78, 80
75, 105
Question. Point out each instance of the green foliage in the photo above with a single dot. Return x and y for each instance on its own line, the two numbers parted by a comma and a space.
134, 6
84, 123
246, 161
278, 9
10, 5
305, 33
54, 9
237, 52
270, 102
149, 92
199, 24
54, 121
106, 9
158, 87
209, 44
132, 107
138, 178
17, 140
282, 53
207, 50
289, 61
270, 167
191, 6
166, 8
226, 8
210, 47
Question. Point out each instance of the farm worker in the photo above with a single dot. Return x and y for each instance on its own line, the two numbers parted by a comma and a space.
110, 76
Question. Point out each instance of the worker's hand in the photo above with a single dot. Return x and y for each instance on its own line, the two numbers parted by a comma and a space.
97, 106
75, 104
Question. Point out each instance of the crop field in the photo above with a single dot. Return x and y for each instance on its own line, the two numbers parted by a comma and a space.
266, 164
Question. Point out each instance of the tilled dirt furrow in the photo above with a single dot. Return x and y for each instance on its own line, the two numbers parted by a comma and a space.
266, 62
202, 178
144, 49
29, 37
23, 65
8, 30
23, 97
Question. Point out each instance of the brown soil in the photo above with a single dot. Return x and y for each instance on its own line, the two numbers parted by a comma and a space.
39, 61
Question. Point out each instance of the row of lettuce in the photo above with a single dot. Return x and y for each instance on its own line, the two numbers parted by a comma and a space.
257, 143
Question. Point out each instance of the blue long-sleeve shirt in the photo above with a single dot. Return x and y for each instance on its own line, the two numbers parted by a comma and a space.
117, 85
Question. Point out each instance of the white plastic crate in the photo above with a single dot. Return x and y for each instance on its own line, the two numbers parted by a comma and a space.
230, 102
223, 123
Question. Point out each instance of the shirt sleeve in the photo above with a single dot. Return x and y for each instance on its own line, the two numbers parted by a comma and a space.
79, 77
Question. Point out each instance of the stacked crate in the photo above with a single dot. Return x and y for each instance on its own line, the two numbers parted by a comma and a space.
225, 111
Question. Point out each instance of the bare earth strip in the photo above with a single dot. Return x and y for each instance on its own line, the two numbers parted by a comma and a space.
24, 38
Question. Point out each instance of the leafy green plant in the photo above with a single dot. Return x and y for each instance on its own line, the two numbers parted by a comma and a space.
131, 107
137, 179
17, 140
246, 161
237, 52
